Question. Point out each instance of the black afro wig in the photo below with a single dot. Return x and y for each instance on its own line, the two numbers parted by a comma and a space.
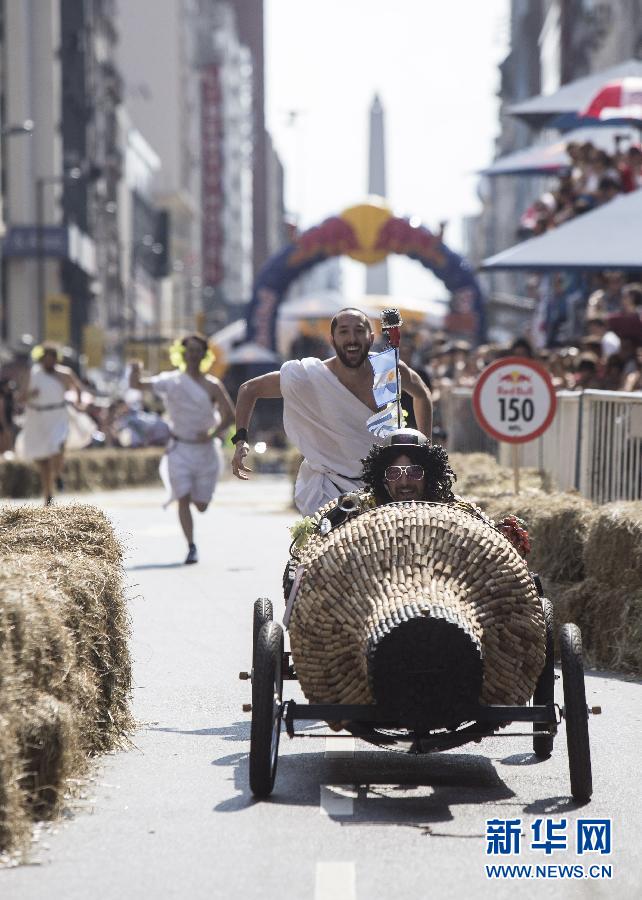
434, 459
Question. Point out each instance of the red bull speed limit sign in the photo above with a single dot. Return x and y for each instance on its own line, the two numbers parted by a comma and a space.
514, 400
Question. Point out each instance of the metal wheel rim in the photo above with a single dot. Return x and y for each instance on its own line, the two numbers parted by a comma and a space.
276, 726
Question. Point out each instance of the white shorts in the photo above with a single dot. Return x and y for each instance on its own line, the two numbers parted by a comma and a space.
191, 469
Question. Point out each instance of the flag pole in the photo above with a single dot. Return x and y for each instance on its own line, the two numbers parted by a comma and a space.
399, 412
391, 323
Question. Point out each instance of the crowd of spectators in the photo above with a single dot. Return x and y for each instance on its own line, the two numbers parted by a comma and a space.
587, 326
593, 178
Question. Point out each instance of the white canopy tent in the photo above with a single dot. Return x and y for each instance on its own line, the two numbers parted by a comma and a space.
572, 97
606, 238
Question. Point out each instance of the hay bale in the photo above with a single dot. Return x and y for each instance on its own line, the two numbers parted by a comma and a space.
65, 670
49, 739
18, 479
86, 470
96, 615
38, 683
609, 616
75, 528
14, 821
613, 548
480, 475
558, 525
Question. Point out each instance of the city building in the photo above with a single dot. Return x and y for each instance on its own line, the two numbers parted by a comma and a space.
60, 181
144, 250
162, 95
195, 92
227, 164
269, 227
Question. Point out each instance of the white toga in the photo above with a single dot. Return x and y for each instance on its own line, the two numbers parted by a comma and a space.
189, 466
46, 419
328, 425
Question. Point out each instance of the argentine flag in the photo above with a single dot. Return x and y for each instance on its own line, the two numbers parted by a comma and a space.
384, 366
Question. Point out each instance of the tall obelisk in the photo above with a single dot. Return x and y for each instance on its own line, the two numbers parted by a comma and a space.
377, 274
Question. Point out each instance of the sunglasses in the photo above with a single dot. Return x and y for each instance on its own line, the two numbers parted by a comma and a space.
394, 473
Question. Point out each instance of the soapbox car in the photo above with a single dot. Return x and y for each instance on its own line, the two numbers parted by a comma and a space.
434, 725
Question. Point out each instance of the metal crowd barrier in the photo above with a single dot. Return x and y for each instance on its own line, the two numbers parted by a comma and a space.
460, 424
594, 444
610, 446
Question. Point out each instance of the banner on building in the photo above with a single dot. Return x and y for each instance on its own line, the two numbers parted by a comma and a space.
57, 319
212, 134
93, 346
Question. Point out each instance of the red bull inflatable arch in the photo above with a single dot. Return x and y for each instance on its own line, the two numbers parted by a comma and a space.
368, 233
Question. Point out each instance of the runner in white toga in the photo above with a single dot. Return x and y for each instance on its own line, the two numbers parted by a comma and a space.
200, 410
326, 405
46, 429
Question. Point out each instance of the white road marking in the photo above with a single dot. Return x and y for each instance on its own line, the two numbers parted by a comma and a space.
337, 800
339, 747
335, 881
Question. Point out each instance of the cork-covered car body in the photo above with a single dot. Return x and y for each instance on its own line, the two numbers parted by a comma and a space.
416, 624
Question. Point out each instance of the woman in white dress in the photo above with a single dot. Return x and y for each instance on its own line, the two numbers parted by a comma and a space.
46, 426
199, 409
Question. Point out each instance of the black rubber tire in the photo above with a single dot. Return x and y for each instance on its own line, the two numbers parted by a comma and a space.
545, 687
267, 690
576, 713
263, 613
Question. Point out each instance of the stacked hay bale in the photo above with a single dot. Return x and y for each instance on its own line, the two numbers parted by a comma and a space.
590, 560
607, 604
401, 605
558, 525
479, 475
86, 470
65, 671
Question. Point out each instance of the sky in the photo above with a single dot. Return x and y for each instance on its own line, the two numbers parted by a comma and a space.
434, 65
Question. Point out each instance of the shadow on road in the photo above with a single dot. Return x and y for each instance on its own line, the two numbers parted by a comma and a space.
522, 759
237, 731
390, 787
144, 566
552, 805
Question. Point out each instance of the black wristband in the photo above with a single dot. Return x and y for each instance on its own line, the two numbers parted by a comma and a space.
241, 435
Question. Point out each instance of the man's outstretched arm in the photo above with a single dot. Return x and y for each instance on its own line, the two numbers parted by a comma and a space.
265, 387
135, 380
412, 384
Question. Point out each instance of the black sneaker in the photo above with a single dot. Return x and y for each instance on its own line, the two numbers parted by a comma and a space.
192, 555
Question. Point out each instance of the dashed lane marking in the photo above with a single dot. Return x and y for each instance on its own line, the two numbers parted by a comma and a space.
339, 747
335, 881
337, 799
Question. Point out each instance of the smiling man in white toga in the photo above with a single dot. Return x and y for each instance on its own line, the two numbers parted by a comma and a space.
326, 405
199, 410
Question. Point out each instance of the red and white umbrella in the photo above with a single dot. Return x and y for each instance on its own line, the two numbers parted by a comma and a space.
619, 99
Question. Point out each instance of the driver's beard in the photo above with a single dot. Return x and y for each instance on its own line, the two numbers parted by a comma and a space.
350, 363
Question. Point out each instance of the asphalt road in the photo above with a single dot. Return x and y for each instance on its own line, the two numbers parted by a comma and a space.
172, 817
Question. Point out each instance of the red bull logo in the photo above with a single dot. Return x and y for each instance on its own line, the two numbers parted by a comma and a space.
515, 383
